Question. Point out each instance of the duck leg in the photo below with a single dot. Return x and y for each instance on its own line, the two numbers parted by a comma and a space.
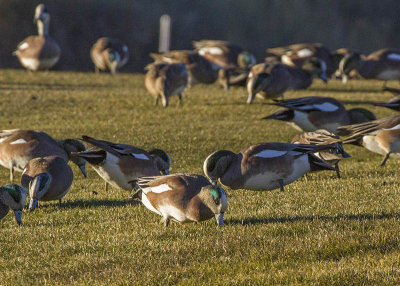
11, 173
106, 186
166, 221
59, 202
156, 101
385, 159
280, 181
337, 170
180, 99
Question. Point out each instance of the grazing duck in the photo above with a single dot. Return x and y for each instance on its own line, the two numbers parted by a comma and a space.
272, 79
323, 137
39, 52
229, 56
296, 54
109, 54
267, 80
163, 80
47, 179
314, 112
264, 166
200, 69
120, 164
12, 197
225, 54
380, 136
183, 198
383, 65
18, 147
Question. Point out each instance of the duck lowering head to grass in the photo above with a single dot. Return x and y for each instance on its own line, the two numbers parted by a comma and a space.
183, 198
12, 197
264, 166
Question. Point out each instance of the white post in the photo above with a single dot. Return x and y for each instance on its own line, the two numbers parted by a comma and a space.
165, 33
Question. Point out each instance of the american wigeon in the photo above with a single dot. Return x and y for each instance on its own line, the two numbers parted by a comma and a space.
296, 54
109, 54
383, 64
271, 79
163, 80
381, 136
200, 69
19, 146
323, 137
225, 54
264, 166
121, 164
39, 52
183, 198
229, 56
47, 179
313, 112
12, 197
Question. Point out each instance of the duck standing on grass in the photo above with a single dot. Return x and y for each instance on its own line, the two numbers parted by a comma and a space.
380, 136
47, 179
121, 164
12, 197
314, 112
264, 166
183, 198
109, 54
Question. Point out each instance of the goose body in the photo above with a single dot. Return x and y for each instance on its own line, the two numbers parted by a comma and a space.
39, 52
183, 198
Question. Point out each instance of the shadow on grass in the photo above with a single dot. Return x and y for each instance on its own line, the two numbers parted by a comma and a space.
55, 86
338, 90
83, 204
355, 217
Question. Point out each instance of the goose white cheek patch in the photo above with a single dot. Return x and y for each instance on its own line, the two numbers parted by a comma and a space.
19, 141
140, 156
270, 153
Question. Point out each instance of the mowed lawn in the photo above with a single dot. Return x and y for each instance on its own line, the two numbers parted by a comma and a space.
321, 231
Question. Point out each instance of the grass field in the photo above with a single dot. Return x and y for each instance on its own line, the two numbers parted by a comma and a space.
322, 231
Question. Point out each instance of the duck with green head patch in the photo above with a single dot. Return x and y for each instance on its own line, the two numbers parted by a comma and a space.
47, 179
12, 197
264, 166
183, 198
109, 54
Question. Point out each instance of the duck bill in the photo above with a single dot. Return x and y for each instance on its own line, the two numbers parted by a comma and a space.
220, 219
18, 216
83, 170
33, 204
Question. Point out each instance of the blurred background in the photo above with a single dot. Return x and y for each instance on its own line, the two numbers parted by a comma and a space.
361, 25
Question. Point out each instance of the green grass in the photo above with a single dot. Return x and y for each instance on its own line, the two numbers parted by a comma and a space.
322, 231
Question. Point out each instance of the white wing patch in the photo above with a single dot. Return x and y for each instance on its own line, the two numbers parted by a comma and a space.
140, 156
270, 153
19, 141
286, 60
395, 127
23, 46
159, 189
304, 53
393, 56
326, 106
212, 50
